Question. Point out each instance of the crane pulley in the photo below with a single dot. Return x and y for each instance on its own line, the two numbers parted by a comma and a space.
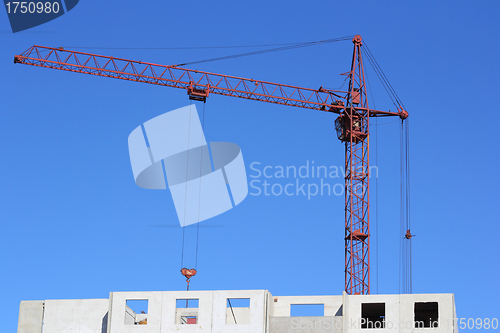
188, 274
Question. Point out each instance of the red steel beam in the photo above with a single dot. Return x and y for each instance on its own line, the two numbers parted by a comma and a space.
195, 81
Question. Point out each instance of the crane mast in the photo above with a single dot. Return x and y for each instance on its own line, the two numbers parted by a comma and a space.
355, 121
352, 124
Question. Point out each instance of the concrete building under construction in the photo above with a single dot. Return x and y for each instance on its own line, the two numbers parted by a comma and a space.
239, 311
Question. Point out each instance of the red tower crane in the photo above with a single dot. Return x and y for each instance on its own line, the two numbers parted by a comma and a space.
352, 124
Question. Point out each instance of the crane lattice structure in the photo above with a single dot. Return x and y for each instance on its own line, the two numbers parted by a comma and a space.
352, 124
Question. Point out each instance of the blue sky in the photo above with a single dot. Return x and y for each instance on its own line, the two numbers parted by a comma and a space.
75, 225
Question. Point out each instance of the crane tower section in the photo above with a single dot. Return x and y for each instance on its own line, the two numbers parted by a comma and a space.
352, 127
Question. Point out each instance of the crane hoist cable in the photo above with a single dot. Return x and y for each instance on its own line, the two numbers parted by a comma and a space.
402, 271
199, 193
189, 273
405, 253
185, 190
406, 265
408, 235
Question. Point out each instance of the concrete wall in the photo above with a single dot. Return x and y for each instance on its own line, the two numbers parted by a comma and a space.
212, 313
68, 316
282, 304
238, 316
266, 314
326, 324
399, 312
75, 316
30, 317
119, 317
